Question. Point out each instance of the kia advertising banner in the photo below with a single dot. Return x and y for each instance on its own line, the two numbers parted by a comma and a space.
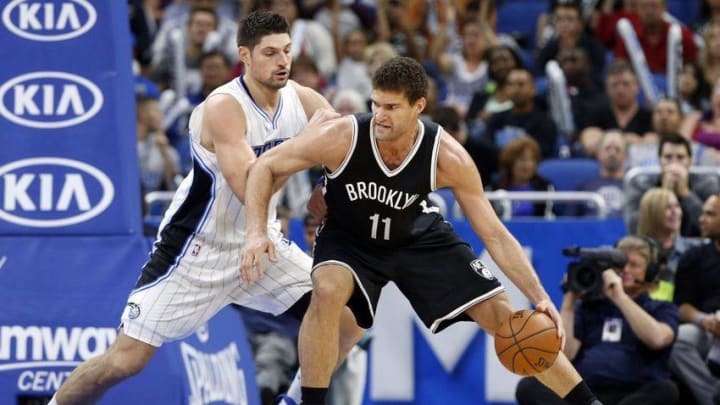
67, 122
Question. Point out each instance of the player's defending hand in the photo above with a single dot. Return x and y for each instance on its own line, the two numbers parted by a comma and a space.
548, 307
252, 257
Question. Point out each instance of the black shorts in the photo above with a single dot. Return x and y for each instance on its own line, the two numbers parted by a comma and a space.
438, 273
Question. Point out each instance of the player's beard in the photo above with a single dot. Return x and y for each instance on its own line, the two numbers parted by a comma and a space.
274, 83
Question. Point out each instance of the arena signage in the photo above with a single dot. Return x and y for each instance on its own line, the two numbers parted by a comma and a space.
49, 20
47, 192
49, 99
47, 354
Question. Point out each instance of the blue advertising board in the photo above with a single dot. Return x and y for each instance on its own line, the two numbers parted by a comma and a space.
67, 125
62, 300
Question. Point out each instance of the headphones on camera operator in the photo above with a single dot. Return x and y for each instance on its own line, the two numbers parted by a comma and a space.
656, 261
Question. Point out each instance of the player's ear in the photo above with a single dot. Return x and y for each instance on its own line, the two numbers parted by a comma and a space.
244, 54
420, 105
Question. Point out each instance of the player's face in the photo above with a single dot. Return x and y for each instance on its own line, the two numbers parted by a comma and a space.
393, 115
269, 62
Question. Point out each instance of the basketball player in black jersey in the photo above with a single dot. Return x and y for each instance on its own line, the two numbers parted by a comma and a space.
380, 227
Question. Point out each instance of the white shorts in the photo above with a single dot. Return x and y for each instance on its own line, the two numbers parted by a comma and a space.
171, 300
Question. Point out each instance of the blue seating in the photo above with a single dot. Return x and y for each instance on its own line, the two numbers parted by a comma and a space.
520, 17
568, 174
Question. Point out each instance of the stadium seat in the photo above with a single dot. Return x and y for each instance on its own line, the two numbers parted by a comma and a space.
684, 10
519, 18
568, 174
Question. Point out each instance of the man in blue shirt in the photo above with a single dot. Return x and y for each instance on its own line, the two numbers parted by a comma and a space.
621, 344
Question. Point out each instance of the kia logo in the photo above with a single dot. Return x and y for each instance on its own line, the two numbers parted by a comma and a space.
49, 20
47, 192
49, 99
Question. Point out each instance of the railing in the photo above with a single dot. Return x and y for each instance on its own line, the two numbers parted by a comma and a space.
505, 198
642, 171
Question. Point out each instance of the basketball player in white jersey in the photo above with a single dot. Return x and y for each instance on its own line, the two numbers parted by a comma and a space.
193, 270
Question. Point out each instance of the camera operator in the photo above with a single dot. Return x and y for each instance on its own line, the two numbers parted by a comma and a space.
620, 343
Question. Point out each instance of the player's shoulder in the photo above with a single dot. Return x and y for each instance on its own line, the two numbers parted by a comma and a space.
309, 97
450, 150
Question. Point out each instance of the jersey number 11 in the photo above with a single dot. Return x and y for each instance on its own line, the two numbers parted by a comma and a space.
374, 230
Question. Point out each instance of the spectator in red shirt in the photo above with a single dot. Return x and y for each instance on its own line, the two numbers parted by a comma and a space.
652, 32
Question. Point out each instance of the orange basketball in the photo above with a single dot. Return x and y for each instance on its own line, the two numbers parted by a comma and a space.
527, 342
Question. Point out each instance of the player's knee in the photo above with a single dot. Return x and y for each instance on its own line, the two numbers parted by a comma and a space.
328, 293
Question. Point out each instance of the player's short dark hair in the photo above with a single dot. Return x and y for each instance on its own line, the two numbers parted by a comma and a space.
402, 74
258, 24
675, 139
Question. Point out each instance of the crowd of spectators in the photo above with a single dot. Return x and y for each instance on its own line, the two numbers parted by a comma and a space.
489, 88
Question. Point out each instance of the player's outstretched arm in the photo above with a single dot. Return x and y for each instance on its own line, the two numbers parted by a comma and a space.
457, 171
325, 141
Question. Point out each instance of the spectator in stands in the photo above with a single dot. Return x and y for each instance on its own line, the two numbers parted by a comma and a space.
378, 53
524, 118
675, 157
159, 161
570, 34
226, 30
518, 172
201, 22
143, 27
465, 70
309, 38
352, 71
482, 152
660, 218
402, 33
305, 71
605, 20
585, 96
612, 154
652, 33
698, 296
619, 345
622, 111
667, 118
493, 97
705, 129
709, 10
694, 90
710, 57
349, 101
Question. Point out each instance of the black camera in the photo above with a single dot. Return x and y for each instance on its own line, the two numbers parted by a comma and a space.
584, 276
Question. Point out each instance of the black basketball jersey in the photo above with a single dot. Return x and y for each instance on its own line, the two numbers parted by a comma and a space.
374, 204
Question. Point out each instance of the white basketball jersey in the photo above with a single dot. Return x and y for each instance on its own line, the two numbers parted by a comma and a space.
204, 200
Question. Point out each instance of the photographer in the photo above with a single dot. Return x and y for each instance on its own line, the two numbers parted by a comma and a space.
620, 342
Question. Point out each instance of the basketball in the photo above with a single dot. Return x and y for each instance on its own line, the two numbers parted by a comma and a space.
527, 342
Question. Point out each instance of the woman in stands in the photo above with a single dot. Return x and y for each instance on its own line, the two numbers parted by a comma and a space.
518, 172
659, 218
